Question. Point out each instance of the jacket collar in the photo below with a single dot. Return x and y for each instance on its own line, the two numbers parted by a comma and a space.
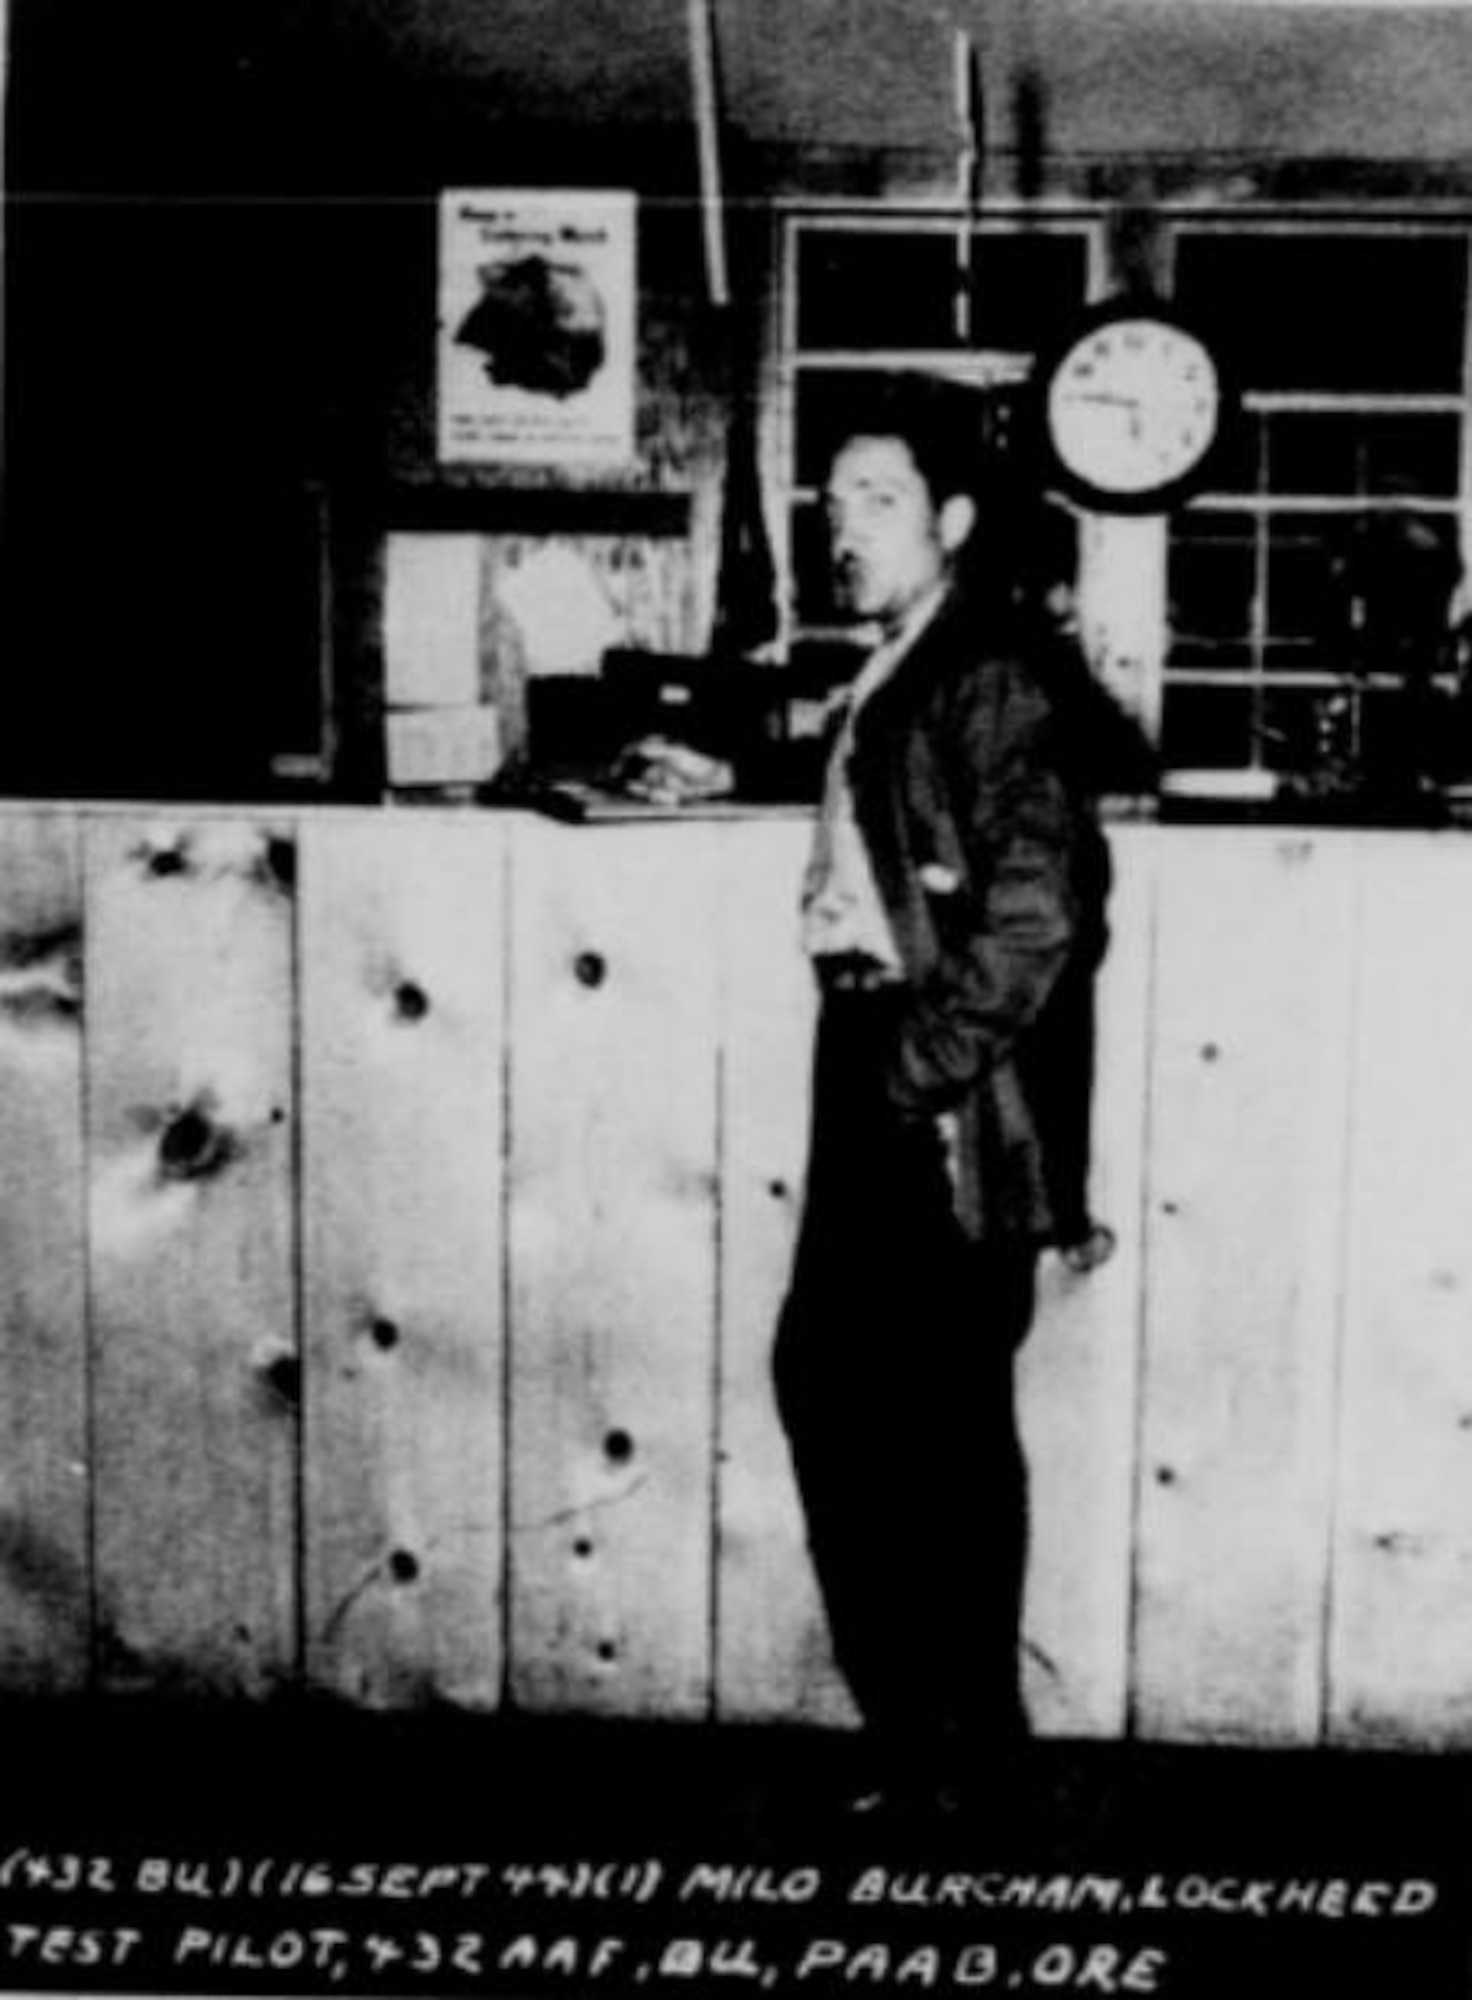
928, 658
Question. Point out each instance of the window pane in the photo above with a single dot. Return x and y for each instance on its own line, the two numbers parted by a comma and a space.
1315, 453
1308, 731
1413, 454
1306, 621
1211, 589
1207, 728
1025, 289
1322, 453
1337, 313
862, 289
1400, 569
1236, 465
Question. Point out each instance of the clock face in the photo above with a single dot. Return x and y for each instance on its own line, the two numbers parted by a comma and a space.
1133, 408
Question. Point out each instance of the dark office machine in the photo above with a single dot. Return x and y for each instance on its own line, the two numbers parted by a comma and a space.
715, 726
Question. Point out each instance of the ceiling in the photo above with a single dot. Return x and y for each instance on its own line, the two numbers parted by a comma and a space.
1121, 75
176, 92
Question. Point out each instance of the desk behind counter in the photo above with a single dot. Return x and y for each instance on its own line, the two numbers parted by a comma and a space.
394, 1206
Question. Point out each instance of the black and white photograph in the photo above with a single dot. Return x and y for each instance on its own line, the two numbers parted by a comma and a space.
735, 1017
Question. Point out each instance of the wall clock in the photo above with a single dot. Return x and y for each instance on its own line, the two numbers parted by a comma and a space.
1132, 408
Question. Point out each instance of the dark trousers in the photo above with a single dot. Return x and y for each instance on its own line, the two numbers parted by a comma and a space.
894, 1372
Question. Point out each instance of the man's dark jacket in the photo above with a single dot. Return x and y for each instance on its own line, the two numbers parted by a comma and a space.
976, 838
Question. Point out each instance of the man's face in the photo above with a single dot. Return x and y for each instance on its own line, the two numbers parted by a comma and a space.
888, 542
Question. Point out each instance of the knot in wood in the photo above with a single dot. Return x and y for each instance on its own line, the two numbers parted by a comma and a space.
283, 1373
192, 1145
411, 1002
277, 864
590, 968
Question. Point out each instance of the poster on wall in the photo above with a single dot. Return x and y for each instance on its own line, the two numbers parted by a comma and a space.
536, 331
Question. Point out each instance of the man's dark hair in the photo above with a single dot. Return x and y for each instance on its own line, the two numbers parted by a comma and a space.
941, 422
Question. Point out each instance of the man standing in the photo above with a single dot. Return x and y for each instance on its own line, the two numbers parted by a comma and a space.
939, 910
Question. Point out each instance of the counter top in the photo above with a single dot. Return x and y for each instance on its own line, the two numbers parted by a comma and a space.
582, 802
587, 803
1414, 815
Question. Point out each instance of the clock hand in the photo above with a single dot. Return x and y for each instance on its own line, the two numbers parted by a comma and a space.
1114, 402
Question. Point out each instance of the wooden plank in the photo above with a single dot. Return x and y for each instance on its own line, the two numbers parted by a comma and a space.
1078, 1381
773, 1660
45, 1585
613, 1283
403, 965
1400, 1657
1245, 1186
189, 1074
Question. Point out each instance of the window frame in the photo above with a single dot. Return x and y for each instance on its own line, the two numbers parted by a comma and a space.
1261, 507
1125, 564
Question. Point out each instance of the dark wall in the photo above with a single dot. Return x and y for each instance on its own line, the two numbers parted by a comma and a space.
221, 239
169, 401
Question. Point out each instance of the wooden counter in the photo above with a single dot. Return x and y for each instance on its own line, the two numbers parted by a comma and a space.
394, 1207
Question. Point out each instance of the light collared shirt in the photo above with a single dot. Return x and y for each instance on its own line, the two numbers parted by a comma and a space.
843, 914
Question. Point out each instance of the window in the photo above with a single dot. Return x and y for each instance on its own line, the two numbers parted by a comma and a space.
1318, 572
869, 293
